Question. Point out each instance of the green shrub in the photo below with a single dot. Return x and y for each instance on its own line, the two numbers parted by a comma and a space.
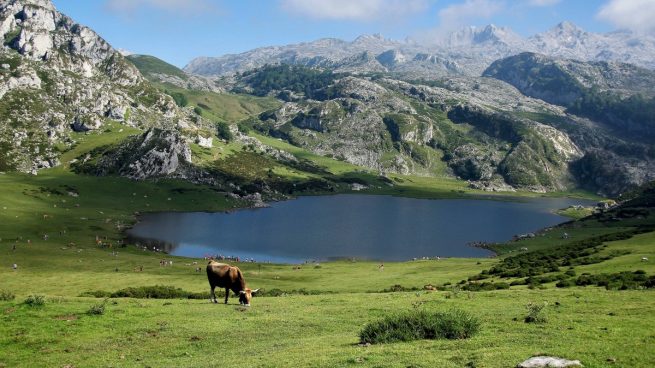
399, 288
6, 296
419, 325
565, 283
96, 294
535, 313
97, 309
35, 300
150, 292
620, 281
180, 99
223, 131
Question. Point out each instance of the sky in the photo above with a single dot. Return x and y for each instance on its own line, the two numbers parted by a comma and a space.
179, 30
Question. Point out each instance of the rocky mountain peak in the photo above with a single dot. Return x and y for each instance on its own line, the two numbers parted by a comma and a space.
370, 37
472, 35
38, 31
567, 27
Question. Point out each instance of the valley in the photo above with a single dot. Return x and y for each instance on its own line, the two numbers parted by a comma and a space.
540, 150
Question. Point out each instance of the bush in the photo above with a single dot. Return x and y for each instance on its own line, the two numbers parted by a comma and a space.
97, 309
96, 294
535, 313
419, 325
150, 292
399, 289
223, 131
35, 300
6, 296
565, 283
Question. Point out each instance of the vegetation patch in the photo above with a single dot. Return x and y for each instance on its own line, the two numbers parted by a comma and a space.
97, 309
583, 252
149, 292
535, 313
35, 300
421, 325
614, 281
397, 288
6, 296
311, 82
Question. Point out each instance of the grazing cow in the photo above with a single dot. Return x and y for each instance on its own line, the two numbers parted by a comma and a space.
230, 278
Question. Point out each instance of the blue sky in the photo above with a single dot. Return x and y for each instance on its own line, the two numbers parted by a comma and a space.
179, 30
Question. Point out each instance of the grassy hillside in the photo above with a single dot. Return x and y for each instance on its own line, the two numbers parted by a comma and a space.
225, 107
149, 65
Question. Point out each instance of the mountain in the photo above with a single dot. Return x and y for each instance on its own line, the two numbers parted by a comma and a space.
58, 77
478, 129
323, 52
468, 51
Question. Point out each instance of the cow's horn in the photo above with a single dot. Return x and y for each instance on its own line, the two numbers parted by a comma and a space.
254, 291
242, 292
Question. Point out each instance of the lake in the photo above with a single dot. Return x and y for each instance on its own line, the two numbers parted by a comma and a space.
350, 226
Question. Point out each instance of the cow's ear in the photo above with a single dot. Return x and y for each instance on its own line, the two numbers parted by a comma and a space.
242, 292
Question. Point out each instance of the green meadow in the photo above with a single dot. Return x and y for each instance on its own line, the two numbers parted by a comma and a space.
64, 232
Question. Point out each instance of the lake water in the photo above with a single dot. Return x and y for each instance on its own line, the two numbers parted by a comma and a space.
350, 226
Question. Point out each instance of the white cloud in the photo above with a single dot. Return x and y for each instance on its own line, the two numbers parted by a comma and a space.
543, 2
637, 15
182, 7
459, 15
355, 10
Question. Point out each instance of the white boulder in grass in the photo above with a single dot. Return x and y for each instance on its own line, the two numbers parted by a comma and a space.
549, 362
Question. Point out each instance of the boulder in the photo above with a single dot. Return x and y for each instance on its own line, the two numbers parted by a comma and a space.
549, 362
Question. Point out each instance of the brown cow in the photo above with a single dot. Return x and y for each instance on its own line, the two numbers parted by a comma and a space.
230, 278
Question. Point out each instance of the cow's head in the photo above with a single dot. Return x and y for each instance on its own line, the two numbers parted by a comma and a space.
246, 295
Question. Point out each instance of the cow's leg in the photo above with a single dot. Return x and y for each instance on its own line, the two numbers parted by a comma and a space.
227, 294
212, 295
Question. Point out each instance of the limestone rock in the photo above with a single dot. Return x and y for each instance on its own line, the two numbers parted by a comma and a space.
549, 362
205, 142
57, 75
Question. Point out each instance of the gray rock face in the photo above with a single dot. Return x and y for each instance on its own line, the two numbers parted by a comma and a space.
158, 153
468, 51
154, 154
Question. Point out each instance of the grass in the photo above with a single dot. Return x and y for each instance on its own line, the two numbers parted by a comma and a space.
576, 213
588, 324
151, 65
420, 325
227, 107
311, 316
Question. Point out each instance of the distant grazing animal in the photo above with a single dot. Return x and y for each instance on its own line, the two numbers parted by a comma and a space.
230, 278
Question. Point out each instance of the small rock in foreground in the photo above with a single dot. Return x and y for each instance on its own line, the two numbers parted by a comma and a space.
549, 362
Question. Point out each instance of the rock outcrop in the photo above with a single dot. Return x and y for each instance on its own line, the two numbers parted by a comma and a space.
57, 76
154, 154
